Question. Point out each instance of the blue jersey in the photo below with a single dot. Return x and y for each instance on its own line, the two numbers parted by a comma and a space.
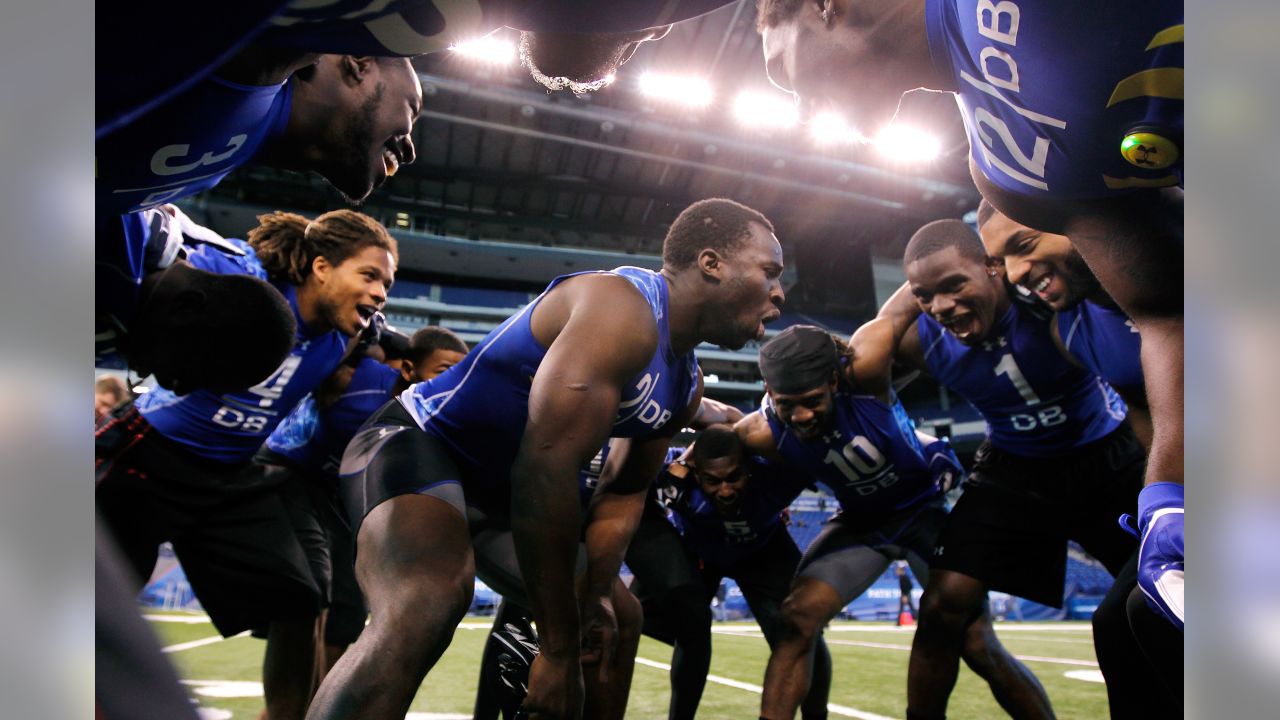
1049, 90
1106, 342
128, 248
1036, 403
186, 145
724, 540
871, 459
314, 439
231, 427
459, 405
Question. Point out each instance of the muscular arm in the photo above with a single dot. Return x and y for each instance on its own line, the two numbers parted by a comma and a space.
896, 323
713, 412
873, 351
756, 437
601, 334
619, 501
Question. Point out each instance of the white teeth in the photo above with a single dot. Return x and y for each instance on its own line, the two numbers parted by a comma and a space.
391, 162
1044, 284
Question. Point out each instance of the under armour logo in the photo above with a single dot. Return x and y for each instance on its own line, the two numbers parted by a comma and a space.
994, 344
937, 551
1142, 155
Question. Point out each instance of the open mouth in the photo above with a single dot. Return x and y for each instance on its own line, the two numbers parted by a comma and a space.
391, 158
808, 430
366, 313
962, 325
1041, 286
764, 320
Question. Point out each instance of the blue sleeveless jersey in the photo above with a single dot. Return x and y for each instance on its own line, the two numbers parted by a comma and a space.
871, 459
1106, 342
230, 428
314, 439
1035, 402
481, 405
186, 145
1049, 90
723, 540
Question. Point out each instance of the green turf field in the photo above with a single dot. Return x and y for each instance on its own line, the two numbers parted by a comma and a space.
870, 671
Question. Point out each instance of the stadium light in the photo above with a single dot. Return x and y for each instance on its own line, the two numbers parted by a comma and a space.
757, 109
488, 49
830, 129
907, 144
680, 89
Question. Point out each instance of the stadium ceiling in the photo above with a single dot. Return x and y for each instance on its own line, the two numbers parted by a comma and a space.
501, 159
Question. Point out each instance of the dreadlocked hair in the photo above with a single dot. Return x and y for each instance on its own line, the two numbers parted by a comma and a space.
844, 359
287, 243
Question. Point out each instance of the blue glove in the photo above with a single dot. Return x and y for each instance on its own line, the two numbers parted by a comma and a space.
1160, 558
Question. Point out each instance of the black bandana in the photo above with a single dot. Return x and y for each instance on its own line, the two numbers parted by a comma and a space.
798, 359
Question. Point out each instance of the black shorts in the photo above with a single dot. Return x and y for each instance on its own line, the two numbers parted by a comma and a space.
228, 524
663, 563
322, 527
391, 456
851, 553
660, 561
1011, 525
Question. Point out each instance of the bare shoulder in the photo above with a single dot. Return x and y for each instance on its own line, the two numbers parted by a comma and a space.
603, 305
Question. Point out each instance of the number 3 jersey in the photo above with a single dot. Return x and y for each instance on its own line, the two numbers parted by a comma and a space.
871, 457
480, 406
1035, 402
186, 145
1068, 99
230, 428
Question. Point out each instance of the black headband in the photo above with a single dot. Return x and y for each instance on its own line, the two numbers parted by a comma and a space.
798, 359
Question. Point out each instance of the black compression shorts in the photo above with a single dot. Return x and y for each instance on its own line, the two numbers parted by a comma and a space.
1011, 525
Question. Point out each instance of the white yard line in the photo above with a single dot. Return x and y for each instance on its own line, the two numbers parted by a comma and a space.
1033, 658
1067, 641
831, 707
748, 632
199, 643
187, 619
